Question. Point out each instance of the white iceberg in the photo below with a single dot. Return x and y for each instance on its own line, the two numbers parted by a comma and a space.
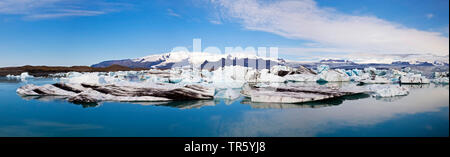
266, 76
387, 90
336, 75
441, 78
229, 93
301, 78
411, 78
376, 80
23, 76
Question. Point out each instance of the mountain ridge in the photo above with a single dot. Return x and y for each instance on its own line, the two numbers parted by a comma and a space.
208, 61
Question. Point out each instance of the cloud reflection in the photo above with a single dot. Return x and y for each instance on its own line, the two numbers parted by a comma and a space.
311, 122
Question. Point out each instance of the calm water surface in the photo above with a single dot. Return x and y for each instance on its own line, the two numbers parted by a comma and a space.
424, 112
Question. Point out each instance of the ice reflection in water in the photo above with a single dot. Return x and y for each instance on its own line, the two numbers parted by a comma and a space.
352, 113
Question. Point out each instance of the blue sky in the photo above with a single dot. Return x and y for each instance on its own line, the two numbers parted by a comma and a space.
82, 32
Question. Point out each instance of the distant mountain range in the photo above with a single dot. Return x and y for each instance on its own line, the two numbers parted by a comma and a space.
201, 60
214, 61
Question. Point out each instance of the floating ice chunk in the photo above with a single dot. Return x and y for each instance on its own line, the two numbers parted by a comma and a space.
291, 93
370, 70
354, 72
301, 78
83, 99
441, 77
322, 68
334, 76
411, 78
23, 76
278, 68
227, 84
350, 73
440, 74
25, 90
91, 78
175, 79
230, 73
361, 76
300, 74
442, 80
388, 90
232, 77
377, 79
228, 94
90, 93
265, 76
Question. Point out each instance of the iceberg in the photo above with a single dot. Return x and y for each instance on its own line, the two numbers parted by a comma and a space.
441, 78
300, 74
23, 76
387, 90
375, 80
322, 68
374, 76
229, 93
266, 76
292, 93
138, 92
411, 78
336, 75
302, 78
325, 74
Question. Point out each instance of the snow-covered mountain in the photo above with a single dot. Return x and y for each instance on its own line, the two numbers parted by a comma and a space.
213, 61
199, 59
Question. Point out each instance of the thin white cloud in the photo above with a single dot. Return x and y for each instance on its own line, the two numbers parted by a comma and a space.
45, 9
429, 16
304, 19
24, 6
66, 13
172, 13
217, 22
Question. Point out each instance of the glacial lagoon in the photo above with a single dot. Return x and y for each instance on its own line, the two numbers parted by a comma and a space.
422, 113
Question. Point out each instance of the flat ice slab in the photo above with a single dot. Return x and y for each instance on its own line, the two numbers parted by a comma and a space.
93, 93
292, 93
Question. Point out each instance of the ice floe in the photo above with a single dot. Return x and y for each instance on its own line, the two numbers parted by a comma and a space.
293, 93
376, 80
441, 78
387, 90
413, 79
229, 93
331, 75
90, 93
23, 76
